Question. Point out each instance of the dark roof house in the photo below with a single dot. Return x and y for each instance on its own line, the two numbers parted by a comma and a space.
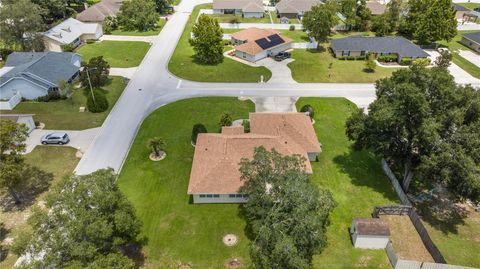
34, 73
380, 45
472, 40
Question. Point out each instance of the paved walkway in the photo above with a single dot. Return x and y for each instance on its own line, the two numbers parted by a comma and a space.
78, 139
148, 39
470, 56
123, 72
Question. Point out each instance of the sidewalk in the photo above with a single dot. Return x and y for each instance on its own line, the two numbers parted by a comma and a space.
148, 39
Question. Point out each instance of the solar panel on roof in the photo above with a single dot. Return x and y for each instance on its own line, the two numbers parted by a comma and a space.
263, 43
275, 40
272, 41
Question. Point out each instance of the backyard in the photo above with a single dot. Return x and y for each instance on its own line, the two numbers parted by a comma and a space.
65, 115
61, 161
183, 234
321, 66
155, 31
183, 64
116, 53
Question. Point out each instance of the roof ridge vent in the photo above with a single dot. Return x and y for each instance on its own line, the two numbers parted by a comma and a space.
66, 29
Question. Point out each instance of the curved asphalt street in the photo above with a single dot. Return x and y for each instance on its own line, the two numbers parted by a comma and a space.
153, 86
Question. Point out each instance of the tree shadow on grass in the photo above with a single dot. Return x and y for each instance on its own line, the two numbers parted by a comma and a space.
443, 215
364, 169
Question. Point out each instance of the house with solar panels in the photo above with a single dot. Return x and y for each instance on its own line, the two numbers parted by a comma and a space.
254, 44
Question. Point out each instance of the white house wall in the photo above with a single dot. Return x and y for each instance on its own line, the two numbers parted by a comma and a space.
253, 14
222, 199
370, 242
27, 89
28, 121
52, 45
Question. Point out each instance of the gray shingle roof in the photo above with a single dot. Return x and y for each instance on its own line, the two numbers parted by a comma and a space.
50, 67
392, 44
458, 7
473, 36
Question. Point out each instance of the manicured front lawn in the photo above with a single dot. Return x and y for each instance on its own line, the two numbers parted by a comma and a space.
116, 53
470, 5
57, 160
155, 31
454, 45
65, 115
313, 66
180, 233
183, 65
231, 18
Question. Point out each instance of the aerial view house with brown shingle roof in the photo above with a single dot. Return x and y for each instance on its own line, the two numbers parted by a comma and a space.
294, 8
254, 44
376, 7
215, 175
98, 12
244, 8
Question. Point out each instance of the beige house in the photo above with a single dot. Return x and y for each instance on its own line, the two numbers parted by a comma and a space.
244, 8
254, 44
472, 40
71, 32
215, 175
98, 12
294, 8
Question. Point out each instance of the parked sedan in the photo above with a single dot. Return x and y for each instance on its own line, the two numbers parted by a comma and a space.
55, 138
282, 56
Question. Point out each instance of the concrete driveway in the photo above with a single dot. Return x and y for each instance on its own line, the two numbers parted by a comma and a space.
78, 139
470, 56
280, 71
123, 72
461, 76
275, 104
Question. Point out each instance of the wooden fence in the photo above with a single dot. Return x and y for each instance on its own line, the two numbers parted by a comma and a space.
412, 214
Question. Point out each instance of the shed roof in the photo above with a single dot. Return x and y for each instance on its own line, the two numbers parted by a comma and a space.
372, 226
101, 10
475, 36
387, 44
69, 30
296, 6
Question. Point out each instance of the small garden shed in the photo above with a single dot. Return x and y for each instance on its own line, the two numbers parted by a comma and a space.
371, 233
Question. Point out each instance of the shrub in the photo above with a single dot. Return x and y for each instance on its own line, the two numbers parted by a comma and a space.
90, 41
52, 95
361, 58
20, 243
197, 129
4, 53
246, 126
226, 120
370, 65
343, 58
406, 61
388, 58
350, 58
67, 48
308, 109
100, 104
421, 61
292, 28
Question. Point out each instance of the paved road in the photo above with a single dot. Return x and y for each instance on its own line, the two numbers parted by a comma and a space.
470, 56
152, 86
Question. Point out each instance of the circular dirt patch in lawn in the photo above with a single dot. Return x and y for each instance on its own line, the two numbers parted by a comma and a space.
158, 158
230, 240
233, 263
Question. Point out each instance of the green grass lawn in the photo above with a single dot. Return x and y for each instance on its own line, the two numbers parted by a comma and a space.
180, 233
454, 45
231, 18
57, 160
182, 63
65, 115
155, 31
116, 53
470, 5
313, 66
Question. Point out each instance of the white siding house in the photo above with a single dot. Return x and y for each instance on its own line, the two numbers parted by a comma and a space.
370, 233
71, 32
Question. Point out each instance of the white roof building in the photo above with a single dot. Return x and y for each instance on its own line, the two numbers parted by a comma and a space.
71, 32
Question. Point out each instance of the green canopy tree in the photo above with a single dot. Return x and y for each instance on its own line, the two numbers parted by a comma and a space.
53, 10
197, 129
20, 24
138, 15
393, 14
363, 16
381, 25
89, 224
283, 207
157, 145
207, 40
320, 20
420, 118
98, 70
438, 22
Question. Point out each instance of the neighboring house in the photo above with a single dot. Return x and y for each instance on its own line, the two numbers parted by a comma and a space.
244, 8
26, 119
370, 233
460, 11
254, 44
33, 74
215, 175
376, 8
98, 12
472, 40
361, 45
71, 32
294, 8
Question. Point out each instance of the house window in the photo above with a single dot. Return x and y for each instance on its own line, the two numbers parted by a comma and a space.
345, 53
209, 196
239, 195
231, 195
245, 196
202, 195
244, 55
362, 53
216, 196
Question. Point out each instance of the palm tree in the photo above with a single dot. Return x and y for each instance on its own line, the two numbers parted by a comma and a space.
157, 145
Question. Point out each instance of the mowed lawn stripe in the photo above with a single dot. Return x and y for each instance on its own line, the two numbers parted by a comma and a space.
121, 54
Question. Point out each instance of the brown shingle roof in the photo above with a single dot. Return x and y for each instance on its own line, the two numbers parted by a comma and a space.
376, 8
296, 6
244, 5
99, 11
295, 127
249, 36
372, 226
215, 167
